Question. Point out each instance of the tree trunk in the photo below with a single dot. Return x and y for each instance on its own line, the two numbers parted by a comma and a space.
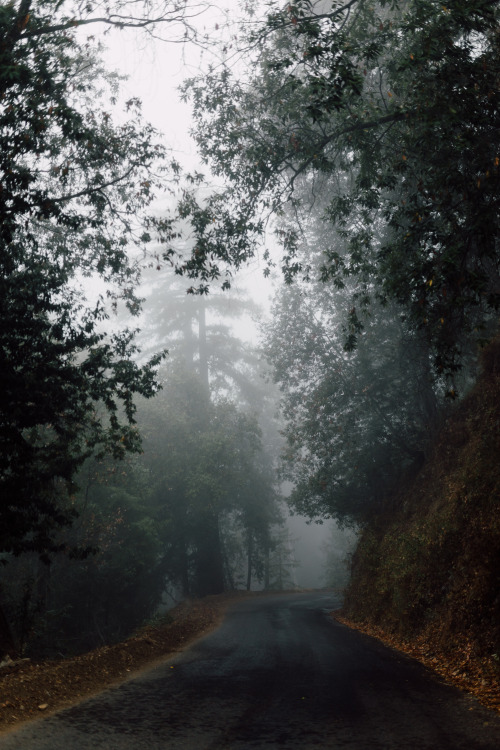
249, 561
209, 562
7, 645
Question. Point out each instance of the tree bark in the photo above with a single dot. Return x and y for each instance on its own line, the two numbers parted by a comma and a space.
209, 562
7, 645
249, 561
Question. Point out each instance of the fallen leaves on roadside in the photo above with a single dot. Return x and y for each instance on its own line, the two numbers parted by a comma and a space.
472, 674
25, 687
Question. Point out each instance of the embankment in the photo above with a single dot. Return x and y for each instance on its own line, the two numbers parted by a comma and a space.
426, 576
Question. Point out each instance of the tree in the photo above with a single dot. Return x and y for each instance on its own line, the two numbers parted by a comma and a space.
337, 552
356, 421
74, 191
201, 331
280, 562
79, 603
255, 519
395, 107
74, 187
210, 366
204, 463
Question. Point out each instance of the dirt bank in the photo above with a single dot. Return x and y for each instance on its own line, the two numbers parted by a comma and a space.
28, 689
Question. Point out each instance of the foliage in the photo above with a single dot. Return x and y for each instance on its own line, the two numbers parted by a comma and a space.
337, 550
74, 188
75, 604
207, 475
355, 422
394, 108
215, 481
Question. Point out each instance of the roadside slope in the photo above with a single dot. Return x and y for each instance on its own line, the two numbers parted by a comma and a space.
426, 577
30, 688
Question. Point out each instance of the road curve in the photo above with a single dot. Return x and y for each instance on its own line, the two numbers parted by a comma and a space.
278, 673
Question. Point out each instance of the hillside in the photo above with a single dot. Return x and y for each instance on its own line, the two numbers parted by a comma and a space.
426, 577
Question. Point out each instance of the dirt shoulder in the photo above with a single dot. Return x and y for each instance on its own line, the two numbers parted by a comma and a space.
29, 689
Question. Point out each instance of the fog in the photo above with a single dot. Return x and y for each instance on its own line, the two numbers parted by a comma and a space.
228, 397
308, 540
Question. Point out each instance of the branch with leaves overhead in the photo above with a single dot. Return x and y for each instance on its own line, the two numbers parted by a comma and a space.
151, 15
397, 104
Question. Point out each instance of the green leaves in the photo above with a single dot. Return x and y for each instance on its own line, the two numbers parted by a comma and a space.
393, 109
74, 190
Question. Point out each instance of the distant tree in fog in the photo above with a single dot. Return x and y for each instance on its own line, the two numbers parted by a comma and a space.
209, 479
354, 421
201, 331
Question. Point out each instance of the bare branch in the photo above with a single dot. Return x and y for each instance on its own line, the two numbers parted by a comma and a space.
176, 15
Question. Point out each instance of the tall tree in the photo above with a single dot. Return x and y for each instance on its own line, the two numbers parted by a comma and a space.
203, 332
198, 332
355, 422
204, 463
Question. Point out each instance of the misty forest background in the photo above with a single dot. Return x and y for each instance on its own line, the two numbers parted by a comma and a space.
151, 448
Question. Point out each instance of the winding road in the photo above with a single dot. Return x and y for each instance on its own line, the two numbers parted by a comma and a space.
278, 673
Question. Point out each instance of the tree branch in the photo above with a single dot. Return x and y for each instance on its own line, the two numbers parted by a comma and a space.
115, 20
371, 124
90, 191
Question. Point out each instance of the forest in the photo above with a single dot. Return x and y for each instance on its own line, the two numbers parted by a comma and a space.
146, 440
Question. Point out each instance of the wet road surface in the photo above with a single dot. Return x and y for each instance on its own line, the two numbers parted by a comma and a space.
278, 673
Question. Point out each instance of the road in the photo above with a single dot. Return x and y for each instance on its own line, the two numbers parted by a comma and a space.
278, 673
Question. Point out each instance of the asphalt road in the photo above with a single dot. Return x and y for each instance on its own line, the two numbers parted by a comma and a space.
278, 673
